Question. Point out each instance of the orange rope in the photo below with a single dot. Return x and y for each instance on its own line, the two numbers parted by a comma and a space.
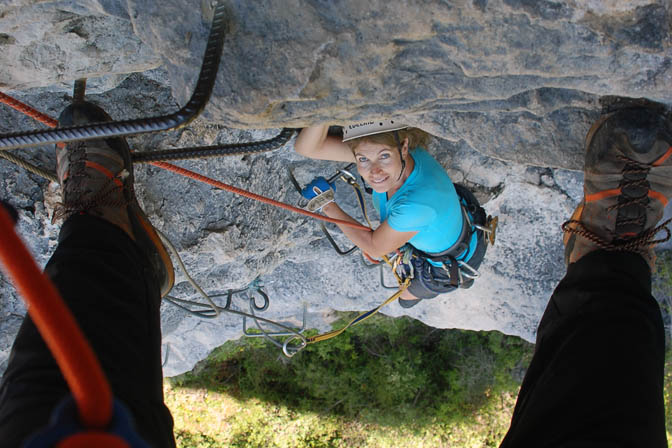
31, 112
42, 118
58, 328
247, 194
27, 110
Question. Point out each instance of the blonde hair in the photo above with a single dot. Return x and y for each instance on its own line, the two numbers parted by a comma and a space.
416, 137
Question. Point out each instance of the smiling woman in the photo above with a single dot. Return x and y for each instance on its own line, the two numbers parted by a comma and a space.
421, 211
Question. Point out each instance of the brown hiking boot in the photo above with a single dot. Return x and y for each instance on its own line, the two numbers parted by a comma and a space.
96, 178
628, 181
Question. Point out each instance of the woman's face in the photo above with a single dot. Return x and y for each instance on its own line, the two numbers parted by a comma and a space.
378, 164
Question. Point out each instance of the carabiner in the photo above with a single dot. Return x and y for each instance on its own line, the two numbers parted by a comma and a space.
347, 176
291, 351
471, 272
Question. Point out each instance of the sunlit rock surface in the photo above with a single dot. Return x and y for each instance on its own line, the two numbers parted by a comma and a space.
515, 79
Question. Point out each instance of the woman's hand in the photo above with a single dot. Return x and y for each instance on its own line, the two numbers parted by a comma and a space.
319, 192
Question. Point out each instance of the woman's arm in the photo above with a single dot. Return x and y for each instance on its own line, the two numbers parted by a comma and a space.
314, 142
377, 242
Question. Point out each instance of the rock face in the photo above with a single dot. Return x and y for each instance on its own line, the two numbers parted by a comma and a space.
51, 44
509, 86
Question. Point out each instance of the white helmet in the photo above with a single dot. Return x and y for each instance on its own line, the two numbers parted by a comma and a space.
364, 128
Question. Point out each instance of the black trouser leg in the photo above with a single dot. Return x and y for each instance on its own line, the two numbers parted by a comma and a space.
596, 378
103, 279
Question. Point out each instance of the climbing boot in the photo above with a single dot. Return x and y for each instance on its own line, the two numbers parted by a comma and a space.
628, 181
96, 178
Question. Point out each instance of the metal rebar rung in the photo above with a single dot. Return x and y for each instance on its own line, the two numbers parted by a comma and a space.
200, 97
201, 152
79, 92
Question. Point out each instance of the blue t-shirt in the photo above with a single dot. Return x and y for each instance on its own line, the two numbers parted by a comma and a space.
427, 202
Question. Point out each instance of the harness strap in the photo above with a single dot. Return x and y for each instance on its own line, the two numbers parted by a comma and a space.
471, 210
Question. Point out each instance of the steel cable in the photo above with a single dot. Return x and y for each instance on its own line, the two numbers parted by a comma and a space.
194, 152
28, 166
202, 152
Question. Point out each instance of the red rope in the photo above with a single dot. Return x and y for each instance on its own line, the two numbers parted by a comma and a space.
45, 119
58, 328
256, 197
31, 112
27, 110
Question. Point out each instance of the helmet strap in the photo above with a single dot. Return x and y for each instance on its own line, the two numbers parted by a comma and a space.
403, 162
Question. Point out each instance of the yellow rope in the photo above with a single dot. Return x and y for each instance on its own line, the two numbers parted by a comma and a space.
361, 318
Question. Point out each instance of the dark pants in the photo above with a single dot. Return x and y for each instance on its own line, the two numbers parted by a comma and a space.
103, 278
596, 379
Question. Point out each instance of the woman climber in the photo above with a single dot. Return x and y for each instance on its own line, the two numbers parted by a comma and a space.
439, 226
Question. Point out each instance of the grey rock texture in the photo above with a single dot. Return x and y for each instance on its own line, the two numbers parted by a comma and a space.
509, 86
516, 79
50, 44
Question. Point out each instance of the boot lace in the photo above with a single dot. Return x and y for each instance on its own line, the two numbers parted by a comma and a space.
110, 194
638, 243
64, 210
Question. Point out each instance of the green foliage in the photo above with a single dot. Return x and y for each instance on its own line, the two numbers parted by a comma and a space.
188, 439
664, 268
281, 428
385, 383
384, 371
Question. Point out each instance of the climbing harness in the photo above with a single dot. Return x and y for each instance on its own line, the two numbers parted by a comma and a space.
459, 272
